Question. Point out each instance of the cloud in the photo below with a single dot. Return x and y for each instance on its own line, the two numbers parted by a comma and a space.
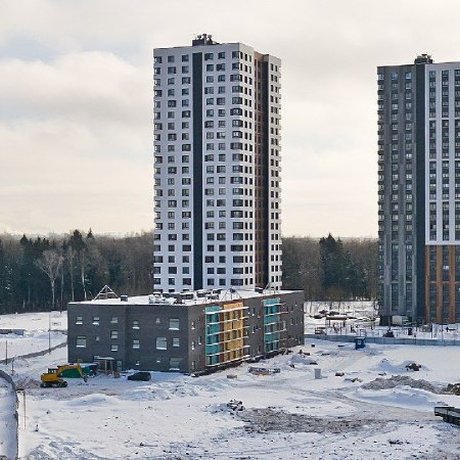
76, 102
75, 138
56, 180
88, 87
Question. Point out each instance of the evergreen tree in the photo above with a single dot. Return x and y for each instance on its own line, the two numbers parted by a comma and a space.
332, 260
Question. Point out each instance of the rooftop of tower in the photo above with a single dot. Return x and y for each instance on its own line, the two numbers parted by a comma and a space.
423, 59
203, 39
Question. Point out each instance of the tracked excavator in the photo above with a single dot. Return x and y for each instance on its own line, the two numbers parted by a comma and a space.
53, 378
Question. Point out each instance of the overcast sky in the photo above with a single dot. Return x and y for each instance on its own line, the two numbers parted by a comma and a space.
76, 102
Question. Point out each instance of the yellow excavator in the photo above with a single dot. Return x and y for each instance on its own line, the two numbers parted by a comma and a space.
53, 378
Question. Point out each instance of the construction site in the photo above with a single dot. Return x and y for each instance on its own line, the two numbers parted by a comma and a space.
322, 399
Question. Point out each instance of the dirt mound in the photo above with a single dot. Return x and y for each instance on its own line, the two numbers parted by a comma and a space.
397, 380
453, 388
26, 382
268, 419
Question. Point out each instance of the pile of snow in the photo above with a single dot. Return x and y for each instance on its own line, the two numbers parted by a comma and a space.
302, 359
26, 382
453, 388
385, 365
398, 380
7, 420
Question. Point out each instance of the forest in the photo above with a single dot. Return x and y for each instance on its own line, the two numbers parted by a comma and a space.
38, 273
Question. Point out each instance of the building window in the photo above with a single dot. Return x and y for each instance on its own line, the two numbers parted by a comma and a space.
80, 341
114, 320
161, 343
79, 320
136, 344
136, 325
96, 320
114, 347
173, 324
176, 342
174, 363
114, 334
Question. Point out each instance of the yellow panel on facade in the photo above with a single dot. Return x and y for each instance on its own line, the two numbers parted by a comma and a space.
233, 322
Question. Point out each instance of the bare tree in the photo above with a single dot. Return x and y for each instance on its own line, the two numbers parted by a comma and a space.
83, 264
50, 264
70, 257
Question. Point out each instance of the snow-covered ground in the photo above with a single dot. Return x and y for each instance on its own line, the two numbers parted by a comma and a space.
41, 330
286, 415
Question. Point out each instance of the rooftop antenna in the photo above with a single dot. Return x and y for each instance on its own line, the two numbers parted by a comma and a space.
270, 288
106, 293
231, 291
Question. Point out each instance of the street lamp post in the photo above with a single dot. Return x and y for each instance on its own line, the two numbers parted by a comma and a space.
49, 333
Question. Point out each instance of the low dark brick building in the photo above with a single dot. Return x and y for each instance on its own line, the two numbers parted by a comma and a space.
189, 332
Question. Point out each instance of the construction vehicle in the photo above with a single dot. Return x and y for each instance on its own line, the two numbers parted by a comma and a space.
53, 378
449, 414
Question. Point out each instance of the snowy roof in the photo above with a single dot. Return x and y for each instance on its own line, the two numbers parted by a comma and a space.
186, 298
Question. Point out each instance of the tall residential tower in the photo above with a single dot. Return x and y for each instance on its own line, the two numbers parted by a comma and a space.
419, 190
216, 167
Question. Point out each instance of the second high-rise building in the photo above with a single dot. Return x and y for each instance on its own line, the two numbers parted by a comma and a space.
419, 190
216, 167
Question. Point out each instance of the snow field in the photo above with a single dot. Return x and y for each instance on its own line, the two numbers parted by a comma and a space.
287, 415
36, 335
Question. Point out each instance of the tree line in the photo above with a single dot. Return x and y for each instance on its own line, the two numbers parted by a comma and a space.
330, 268
38, 273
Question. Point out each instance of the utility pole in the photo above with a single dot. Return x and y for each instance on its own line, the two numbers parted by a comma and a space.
49, 333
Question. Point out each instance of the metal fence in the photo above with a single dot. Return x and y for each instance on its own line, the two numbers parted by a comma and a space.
387, 340
35, 353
